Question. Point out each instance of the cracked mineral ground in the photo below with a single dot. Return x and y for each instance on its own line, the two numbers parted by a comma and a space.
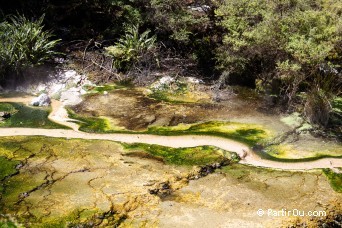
55, 182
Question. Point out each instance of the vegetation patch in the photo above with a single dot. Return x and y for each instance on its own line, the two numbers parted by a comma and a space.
83, 218
90, 124
33, 45
102, 88
25, 116
293, 120
5, 107
279, 151
290, 152
250, 134
7, 167
335, 179
202, 155
7, 221
27, 162
336, 117
170, 91
177, 97
176, 91
16, 189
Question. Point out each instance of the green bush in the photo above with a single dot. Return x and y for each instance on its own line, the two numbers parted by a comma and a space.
288, 41
174, 19
131, 48
24, 44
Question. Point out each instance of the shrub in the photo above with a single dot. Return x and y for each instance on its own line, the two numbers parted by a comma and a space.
318, 108
131, 48
24, 44
287, 41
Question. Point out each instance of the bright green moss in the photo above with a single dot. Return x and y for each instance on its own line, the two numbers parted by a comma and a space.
290, 152
202, 155
250, 134
6, 107
246, 133
173, 98
70, 220
25, 116
90, 124
7, 167
21, 147
7, 224
18, 185
335, 179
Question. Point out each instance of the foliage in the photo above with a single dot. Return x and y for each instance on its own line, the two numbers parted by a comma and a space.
281, 46
131, 48
173, 18
298, 30
317, 108
290, 41
24, 43
78, 19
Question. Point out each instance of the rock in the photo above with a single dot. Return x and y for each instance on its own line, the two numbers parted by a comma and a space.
42, 100
5, 115
70, 74
71, 97
56, 88
41, 88
149, 118
83, 92
162, 83
194, 80
201, 9
162, 189
161, 121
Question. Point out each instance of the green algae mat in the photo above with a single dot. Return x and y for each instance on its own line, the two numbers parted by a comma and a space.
26, 116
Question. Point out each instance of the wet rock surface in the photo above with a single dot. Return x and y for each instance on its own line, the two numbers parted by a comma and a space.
133, 110
79, 183
167, 188
232, 197
83, 183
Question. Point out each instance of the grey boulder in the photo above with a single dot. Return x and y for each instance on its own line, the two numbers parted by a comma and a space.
42, 100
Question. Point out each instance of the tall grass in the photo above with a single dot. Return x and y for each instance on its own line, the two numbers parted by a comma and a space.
24, 43
131, 48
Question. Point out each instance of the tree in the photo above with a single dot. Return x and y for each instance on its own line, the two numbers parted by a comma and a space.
290, 41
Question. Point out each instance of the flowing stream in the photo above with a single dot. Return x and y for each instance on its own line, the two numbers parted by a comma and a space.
59, 115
